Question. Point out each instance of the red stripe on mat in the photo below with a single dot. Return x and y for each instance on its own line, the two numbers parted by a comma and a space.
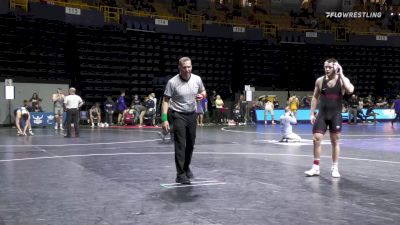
133, 127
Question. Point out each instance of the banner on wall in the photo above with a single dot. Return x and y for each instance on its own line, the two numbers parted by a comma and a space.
42, 119
304, 114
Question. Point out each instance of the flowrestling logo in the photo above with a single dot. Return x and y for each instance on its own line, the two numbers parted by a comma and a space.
353, 15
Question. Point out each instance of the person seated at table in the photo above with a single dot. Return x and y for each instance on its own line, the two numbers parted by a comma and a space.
37, 108
35, 101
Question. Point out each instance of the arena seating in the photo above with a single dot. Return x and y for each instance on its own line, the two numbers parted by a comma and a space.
32, 49
102, 62
140, 62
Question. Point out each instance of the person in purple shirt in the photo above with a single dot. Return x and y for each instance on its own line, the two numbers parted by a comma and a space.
396, 107
204, 105
121, 106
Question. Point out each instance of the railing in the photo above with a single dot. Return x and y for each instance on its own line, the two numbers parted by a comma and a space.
196, 23
70, 4
182, 12
375, 33
341, 33
23, 4
112, 14
150, 15
232, 24
270, 30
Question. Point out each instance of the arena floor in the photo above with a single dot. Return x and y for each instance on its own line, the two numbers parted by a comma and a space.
243, 177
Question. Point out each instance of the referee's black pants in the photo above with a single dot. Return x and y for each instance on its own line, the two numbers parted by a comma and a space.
184, 137
73, 117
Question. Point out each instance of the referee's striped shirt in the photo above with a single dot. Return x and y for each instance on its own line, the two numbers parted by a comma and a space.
183, 93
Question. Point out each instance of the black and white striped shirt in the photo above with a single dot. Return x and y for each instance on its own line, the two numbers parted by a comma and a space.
183, 93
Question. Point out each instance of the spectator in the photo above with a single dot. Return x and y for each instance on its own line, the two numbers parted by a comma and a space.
121, 106
381, 103
27, 106
243, 108
213, 109
306, 101
269, 107
353, 109
37, 108
199, 112
293, 103
219, 105
276, 103
368, 101
109, 107
138, 108
370, 112
149, 112
95, 114
152, 96
396, 107
204, 105
35, 101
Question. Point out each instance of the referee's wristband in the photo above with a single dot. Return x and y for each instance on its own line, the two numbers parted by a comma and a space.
164, 117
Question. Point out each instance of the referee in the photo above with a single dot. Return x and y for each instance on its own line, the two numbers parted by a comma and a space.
180, 96
72, 103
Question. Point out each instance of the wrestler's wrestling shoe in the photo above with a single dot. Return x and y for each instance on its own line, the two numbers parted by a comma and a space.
314, 171
335, 172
